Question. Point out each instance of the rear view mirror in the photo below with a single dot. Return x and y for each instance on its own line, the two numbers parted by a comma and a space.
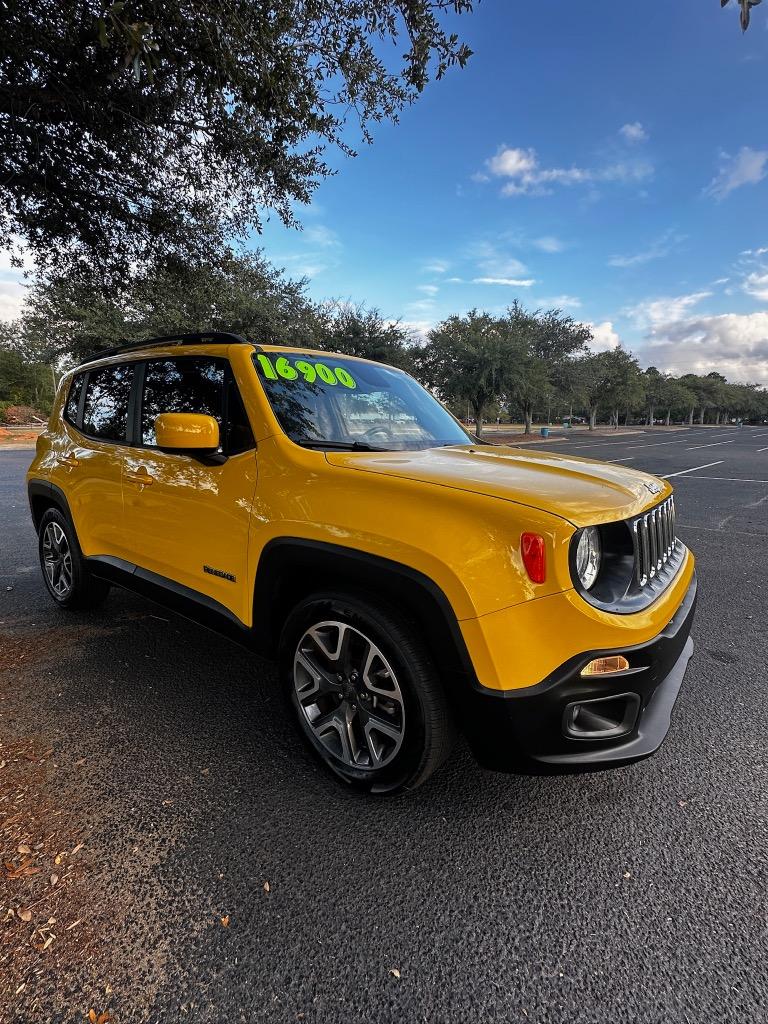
187, 432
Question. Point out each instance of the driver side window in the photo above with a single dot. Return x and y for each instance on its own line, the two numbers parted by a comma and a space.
199, 384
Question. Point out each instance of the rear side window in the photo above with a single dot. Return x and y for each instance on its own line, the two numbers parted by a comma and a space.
198, 384
72, 407
105, 415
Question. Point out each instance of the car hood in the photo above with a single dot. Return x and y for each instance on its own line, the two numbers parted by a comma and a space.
583, 491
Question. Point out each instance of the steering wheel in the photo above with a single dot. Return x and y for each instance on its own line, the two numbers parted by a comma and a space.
384, 431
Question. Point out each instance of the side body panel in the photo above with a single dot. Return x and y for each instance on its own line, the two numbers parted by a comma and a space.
182, 516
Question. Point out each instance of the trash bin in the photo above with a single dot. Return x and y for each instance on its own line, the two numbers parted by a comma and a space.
545, 431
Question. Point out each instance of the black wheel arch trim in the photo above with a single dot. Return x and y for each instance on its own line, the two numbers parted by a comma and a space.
333, 565
53, 496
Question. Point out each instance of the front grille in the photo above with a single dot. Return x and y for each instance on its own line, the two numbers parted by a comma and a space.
655, 542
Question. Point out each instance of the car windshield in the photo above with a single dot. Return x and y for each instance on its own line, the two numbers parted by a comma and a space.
332, 402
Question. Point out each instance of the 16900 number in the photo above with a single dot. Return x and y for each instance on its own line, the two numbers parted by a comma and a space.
284, 368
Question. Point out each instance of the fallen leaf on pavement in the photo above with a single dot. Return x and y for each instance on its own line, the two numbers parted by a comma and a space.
57, 859
394, 972
266, 887
225, 920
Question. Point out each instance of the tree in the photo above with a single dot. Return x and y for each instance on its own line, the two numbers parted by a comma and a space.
746, 6
71, 317
653, 383
541, 346
359, 331
625, 388
138, 127
465, 359
675, 395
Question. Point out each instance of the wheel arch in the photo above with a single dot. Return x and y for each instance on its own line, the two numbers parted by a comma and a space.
43, 495
291, 568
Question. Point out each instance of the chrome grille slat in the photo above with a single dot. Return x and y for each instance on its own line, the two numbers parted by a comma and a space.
655, 541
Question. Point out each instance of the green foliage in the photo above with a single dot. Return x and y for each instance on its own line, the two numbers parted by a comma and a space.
69, 318
359, 331
465, 359
140, 129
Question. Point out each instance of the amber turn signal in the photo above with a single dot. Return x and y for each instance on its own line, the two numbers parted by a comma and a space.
603, 666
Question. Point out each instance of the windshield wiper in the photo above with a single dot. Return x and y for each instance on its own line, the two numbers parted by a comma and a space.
345, 446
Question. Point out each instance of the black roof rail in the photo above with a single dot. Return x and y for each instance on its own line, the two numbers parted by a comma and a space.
217, 337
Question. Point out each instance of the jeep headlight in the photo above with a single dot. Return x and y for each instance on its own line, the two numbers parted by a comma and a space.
588, 556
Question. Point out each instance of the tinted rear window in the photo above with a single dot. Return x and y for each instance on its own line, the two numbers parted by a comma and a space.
73, 399
106, 402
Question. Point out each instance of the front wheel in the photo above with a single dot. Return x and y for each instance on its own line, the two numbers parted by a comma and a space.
365, 692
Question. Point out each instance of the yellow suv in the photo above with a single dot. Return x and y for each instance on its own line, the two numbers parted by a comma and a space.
412, 581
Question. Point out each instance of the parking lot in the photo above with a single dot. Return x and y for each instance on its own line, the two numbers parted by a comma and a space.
221, 876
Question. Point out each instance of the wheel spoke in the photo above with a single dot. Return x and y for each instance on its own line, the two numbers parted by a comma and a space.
380, 735
316, 681
348, 695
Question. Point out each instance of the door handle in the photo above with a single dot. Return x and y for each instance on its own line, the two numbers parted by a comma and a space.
70, 460
142, 478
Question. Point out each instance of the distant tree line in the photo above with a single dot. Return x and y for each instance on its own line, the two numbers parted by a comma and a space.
526, 365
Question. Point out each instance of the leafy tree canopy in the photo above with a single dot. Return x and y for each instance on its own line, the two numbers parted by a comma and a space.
140, 127
70, 317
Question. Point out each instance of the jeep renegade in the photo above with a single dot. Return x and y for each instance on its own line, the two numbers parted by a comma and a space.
412, 581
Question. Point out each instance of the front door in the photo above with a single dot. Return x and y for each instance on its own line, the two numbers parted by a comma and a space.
187, 519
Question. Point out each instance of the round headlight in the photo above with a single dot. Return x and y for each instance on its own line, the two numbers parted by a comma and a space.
588, 556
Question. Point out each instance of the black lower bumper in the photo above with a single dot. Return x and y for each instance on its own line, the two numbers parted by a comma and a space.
533, 731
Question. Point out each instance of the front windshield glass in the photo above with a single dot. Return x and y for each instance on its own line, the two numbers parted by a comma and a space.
328, 401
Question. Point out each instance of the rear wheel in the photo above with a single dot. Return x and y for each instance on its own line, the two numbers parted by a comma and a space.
365, 692
65, 572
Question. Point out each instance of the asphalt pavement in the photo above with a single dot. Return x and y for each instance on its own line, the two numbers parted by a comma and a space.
222, 876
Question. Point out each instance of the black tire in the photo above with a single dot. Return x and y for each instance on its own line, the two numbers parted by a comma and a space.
406, 693
74, 586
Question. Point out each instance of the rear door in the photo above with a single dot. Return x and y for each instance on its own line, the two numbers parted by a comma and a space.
187, 520
89, 455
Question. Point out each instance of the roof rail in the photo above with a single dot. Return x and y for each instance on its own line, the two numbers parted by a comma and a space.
217, 337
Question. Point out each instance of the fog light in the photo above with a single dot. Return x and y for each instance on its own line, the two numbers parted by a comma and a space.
604, 666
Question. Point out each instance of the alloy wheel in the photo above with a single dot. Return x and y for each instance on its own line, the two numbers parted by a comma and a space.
349, 695
57, 560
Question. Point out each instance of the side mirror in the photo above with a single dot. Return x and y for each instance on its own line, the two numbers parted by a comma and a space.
188, 432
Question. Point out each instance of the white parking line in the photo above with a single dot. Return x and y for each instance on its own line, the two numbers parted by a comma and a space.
630, 458
729, 479
693, 469
712, 445
762, 449
658, 444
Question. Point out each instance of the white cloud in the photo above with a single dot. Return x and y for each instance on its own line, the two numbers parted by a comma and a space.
633, 132
12, 295
526, 176
436, 267
320, 235
748, 167
604, 337
428, 289
655, 312
560, 302
420, 307
513, 163
735, 345
548, 244
509, 282
12, 287
756, 284
418, 329
455, 280
663, 246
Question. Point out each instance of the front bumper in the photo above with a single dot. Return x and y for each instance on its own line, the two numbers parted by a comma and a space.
531, 730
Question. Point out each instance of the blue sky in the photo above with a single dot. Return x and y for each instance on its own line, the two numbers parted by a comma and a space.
607, 157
